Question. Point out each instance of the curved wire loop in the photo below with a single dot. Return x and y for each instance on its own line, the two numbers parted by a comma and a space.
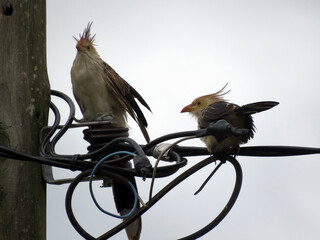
156, 198
228, 206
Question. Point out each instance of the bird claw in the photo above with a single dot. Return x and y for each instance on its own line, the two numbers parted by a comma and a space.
99, 118
104, 117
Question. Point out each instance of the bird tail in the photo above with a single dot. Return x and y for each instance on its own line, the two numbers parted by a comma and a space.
253, 108
144, 130
140, 98
124, 200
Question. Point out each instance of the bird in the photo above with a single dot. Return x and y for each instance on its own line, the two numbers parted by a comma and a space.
101, 93
213, 108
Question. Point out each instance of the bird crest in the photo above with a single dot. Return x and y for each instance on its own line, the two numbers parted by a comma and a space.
86, 35
219, 95
203, 101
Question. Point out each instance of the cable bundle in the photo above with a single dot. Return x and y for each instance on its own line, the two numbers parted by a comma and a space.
128, 149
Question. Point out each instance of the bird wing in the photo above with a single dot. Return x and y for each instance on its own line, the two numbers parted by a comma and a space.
237, 116
126, 95
214, 112
229, 112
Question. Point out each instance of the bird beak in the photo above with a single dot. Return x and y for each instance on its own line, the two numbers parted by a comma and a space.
186, 109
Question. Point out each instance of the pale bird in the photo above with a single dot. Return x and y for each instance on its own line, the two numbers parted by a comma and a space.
102, 93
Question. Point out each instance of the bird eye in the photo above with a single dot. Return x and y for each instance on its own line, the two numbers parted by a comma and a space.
198, 103
88, 47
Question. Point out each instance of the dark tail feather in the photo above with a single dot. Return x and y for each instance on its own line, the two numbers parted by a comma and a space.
144, 130
136, 113
124, 200
140, 98
253, 108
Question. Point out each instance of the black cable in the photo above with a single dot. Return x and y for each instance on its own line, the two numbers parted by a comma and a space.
143, 209
167, 137
16, 155
228, 206
137, 149
68, 201
62, 163
174, 183
209, 177
67, 124
163, 171
45, 143
256, 151
277, 151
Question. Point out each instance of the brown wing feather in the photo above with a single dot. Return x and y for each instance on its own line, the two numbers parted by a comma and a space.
215, 112
234, 114
126, 95
229, 112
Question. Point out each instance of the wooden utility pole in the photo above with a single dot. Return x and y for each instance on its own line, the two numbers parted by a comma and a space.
24, 101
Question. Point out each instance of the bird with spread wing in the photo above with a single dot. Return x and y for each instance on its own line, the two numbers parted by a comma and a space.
212, 108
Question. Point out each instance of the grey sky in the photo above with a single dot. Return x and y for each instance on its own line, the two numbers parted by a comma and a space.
174, 51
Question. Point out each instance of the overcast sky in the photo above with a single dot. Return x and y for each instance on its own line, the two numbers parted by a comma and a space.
174, 51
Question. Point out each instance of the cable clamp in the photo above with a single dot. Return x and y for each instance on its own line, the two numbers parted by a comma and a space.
158, 150
74, 161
